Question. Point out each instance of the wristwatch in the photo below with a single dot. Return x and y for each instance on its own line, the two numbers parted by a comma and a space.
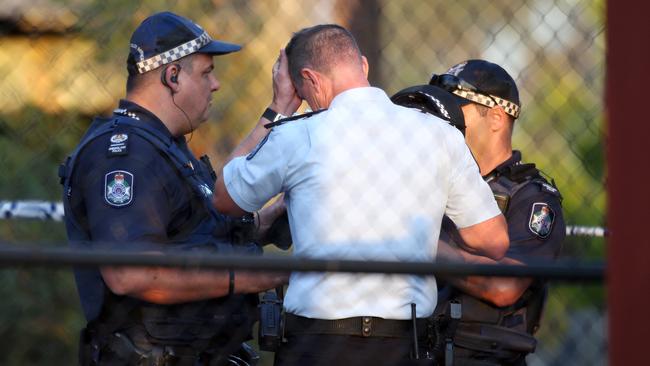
272, 115
247, 219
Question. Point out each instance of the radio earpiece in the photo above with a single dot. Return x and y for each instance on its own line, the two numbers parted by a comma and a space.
173, 78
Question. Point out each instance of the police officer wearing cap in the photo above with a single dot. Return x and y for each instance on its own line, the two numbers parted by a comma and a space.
132, 183
490, 320
341, 169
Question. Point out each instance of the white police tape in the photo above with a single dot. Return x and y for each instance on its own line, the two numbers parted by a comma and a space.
595, 231
31, 209
46, 210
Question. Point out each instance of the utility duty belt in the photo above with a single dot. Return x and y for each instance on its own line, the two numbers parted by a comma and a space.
362, 326
468, 329
119, 349
204, 333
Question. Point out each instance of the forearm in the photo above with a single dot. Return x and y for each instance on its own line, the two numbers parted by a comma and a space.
169, 285
266, 216
501, 291
285, 102
488, 238
251, 140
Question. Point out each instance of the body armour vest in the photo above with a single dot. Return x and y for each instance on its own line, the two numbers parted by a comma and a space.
187, 323
482, 329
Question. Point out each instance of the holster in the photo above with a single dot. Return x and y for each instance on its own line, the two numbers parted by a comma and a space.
482, 332
88, 349
501, 342
271, 325
115, 349
118, 350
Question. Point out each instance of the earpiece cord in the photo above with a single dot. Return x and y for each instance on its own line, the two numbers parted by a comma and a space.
186, 117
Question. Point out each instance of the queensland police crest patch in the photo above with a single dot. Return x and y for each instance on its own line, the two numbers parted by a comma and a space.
541, 220
118, 188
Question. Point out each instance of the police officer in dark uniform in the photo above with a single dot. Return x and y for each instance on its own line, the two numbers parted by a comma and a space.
491, 320
133, 184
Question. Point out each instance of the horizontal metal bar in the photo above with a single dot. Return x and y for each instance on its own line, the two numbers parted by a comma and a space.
12, 256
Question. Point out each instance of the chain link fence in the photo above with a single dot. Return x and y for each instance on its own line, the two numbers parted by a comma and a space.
62, 62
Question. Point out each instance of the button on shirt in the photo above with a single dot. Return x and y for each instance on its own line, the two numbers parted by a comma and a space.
364, 180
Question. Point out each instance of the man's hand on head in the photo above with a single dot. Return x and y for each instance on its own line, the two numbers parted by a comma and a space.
285, 96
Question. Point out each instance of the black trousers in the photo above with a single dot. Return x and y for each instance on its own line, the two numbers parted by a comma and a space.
344, 350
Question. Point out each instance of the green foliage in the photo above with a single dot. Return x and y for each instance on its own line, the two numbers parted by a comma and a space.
39, 317
40, 314
32, 145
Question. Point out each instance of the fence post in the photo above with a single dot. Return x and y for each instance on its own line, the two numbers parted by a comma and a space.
362, 18
628, 165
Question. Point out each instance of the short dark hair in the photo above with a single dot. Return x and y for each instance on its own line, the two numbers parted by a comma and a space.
134, 80
320, 47
481, 109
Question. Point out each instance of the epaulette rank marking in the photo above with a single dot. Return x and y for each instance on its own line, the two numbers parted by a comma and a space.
292, 118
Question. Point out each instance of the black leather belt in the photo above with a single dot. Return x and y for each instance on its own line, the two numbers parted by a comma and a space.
362, 326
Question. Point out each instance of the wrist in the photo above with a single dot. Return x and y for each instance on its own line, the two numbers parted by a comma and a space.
282, 108
272, 114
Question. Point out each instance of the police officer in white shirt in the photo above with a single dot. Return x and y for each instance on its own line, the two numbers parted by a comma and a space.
364, 179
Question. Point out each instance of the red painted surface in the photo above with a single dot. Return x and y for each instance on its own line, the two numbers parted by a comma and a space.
628, 181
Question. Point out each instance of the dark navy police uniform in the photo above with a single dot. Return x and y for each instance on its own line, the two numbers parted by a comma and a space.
484, 334
130, 181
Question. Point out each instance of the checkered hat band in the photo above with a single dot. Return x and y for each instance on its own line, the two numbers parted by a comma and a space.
174, 54
509, 107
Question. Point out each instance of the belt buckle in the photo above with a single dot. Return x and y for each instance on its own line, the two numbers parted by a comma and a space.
366, 326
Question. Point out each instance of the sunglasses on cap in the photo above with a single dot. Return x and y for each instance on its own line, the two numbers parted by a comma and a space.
463, 89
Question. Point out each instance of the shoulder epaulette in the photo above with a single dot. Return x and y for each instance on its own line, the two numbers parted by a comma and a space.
292, 118
548, 184
520, 172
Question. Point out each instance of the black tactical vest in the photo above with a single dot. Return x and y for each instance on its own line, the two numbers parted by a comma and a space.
196, 323
480, 330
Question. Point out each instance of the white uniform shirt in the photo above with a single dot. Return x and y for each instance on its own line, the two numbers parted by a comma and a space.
364, 180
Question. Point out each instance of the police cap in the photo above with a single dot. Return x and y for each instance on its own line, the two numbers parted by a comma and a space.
482, 82
166, 37
433, 100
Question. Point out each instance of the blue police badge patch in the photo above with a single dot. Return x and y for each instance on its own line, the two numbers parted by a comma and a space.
541, 220
118, 188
